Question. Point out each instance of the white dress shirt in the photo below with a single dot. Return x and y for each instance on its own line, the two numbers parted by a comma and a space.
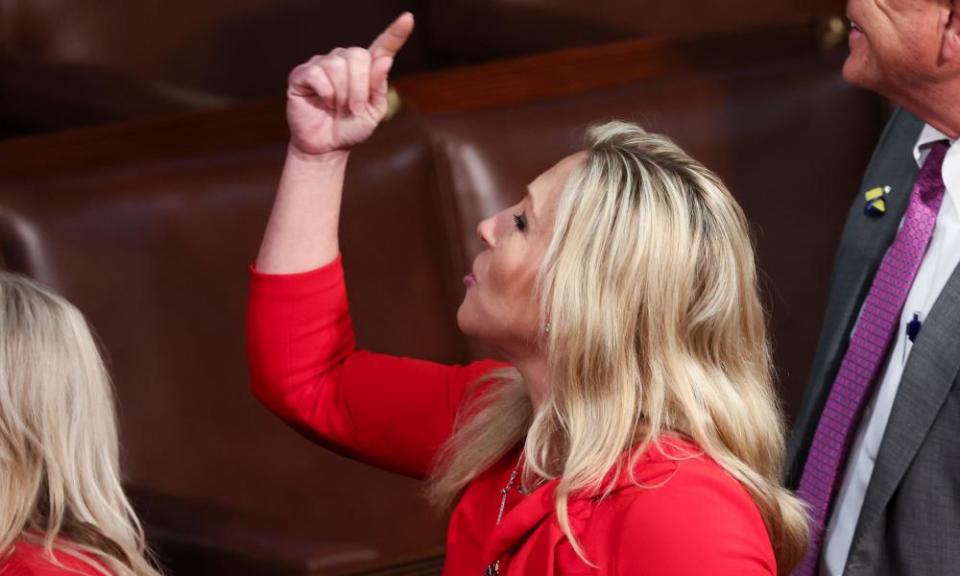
939, 261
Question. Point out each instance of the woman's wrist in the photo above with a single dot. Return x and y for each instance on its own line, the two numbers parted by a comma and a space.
327, 158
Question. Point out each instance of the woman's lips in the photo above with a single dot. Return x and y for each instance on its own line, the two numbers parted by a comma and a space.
470, 280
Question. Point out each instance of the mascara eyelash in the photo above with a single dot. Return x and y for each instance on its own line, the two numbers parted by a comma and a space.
520, 221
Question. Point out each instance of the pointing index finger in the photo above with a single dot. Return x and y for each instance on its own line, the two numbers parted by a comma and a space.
389, 42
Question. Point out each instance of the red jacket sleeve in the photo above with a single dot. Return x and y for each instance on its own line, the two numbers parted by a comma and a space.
388, 411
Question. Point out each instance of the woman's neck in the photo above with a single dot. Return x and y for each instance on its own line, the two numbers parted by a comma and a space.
535, 374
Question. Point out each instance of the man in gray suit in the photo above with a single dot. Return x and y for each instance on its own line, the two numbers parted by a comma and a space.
876, 445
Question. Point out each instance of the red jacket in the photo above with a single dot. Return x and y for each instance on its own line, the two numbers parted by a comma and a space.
688, 517
30, 560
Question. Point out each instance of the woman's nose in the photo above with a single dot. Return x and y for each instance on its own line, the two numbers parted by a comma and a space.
485, 231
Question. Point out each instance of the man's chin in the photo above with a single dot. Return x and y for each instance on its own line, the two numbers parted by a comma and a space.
853, 71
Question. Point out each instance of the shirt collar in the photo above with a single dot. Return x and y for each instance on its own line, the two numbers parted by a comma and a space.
951, 164
928, 136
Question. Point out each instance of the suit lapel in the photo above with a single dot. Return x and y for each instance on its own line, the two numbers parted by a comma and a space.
928, 377
863, 244
866, 240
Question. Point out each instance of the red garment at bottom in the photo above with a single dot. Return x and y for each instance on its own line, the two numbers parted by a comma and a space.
28, 559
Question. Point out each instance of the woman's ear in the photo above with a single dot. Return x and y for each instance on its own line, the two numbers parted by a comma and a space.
950, 46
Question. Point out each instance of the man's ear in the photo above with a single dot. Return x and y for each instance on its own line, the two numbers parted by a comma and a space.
950, 46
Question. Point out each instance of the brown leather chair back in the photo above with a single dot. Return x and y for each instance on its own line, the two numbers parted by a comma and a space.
156, 255
470, 31
236, 48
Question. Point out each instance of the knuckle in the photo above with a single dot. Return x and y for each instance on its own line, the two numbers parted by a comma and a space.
334, 62
315, 72
358, 54
301, 73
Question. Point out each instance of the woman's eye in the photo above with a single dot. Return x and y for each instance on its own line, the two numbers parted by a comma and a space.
520, 221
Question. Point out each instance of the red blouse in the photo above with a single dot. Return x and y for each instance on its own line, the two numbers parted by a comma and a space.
689, 517
28, 559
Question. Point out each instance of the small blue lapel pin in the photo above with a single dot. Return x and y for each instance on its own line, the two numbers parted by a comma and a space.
876, 204
913, 327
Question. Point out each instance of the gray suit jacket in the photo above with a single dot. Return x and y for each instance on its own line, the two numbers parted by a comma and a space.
910, 522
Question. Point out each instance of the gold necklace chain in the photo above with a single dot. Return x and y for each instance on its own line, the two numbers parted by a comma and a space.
494, 569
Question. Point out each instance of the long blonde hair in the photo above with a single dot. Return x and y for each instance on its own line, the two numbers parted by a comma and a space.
59, 464
656, 327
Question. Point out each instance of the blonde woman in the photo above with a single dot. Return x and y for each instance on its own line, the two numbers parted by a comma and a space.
634, 430
62, 509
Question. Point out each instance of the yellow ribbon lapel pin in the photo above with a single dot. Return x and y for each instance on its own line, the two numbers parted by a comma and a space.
876, 204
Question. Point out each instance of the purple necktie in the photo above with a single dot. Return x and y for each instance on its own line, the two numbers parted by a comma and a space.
867, 350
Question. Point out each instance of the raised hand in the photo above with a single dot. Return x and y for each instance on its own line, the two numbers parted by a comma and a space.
336, 100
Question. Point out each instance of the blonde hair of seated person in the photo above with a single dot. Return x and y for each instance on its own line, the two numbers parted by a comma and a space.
655, 326
59, 465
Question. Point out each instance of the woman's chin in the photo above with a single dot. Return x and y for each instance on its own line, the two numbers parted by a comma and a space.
469, 315
472, 325
463, 319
